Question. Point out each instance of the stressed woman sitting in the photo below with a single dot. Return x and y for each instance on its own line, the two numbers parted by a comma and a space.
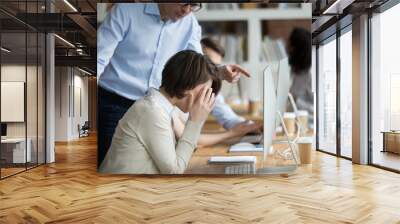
144, 141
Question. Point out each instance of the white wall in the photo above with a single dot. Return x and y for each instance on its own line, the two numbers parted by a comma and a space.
61, 103
33, 126
79, 117
70, 83
16, 73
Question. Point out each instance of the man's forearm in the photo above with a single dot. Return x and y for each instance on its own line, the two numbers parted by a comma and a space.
214, 138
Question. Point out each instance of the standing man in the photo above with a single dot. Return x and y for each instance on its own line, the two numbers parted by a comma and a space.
134, 42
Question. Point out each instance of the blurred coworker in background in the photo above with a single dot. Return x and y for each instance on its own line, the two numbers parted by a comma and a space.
215, 52
299, 49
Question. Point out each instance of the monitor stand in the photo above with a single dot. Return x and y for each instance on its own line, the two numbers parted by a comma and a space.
286, 169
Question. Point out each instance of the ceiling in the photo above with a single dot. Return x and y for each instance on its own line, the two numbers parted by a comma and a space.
72, 20
331, 15
75, 21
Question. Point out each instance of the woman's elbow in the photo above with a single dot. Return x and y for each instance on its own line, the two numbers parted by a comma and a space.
173, 170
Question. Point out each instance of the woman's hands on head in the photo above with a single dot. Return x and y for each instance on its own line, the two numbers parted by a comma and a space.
201, 105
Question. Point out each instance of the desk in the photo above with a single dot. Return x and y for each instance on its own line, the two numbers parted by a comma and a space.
198, 164
13, 150
391, 141
213, 125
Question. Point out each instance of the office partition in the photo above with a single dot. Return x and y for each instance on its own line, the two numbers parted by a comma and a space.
15, 149
22, 77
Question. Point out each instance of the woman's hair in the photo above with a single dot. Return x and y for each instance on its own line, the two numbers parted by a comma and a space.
207, 42
186, 70
300, 50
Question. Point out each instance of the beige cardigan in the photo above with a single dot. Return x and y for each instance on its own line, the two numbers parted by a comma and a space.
144, 141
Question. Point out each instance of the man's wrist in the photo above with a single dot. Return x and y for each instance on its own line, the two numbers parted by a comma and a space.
233, 122
229, 134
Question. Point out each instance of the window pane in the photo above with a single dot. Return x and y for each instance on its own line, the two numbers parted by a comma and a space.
14, 147
327, 97
346, 94
386, 88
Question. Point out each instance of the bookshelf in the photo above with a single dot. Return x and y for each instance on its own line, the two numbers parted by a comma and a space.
255, 19
256, 14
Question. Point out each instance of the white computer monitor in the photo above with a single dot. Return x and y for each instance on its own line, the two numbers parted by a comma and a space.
269, 104
272, 95
276, 84
273, 98
283, 86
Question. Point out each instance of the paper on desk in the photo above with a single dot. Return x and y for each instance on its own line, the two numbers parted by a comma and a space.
241, 148
232, 159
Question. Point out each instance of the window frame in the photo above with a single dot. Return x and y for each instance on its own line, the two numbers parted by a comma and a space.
334, 37
31, 30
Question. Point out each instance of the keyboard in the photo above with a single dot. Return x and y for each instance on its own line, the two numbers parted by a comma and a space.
232, 159
246, 168
252, 138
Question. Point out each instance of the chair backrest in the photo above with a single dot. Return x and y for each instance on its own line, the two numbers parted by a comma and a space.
86, 125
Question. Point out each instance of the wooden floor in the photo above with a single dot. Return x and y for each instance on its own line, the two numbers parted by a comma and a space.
387, 159
71, 191
5, 172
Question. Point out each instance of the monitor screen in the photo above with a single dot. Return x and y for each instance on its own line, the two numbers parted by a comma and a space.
3, 129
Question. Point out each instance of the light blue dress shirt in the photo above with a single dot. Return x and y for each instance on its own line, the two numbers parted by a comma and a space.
133, 45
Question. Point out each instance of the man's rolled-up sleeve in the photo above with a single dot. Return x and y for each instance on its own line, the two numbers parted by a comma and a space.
109, 34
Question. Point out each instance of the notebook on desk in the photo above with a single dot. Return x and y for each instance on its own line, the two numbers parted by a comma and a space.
232, 159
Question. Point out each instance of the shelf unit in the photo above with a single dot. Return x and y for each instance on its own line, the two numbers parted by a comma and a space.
254, 19
255, 14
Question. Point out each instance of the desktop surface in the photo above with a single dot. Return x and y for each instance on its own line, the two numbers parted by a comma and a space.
199, 163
